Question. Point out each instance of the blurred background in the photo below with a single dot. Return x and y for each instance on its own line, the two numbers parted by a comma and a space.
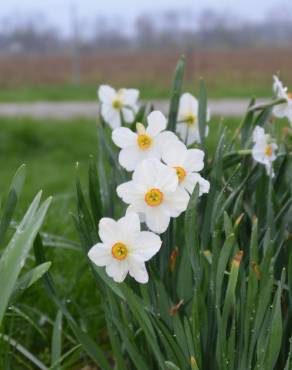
62, 49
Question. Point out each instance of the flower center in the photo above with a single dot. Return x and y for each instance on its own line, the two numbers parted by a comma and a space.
181, 173
154, 197
269, 150
289, 95
117, 104
190, 118
144, 141
119, 251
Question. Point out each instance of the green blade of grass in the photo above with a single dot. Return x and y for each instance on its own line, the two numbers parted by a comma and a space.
57, 340
176, 91
13, 197
14, 256
87, 343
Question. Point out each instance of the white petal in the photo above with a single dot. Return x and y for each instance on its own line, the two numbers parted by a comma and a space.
154, 151
192, 179
279, 111
138, 209
100, 254
182, 130
138, 271
157, 220
176, 203
130, 157
167, 179
146, 245
107, 230
129, 114
130, 96
130, 223
156, 123
166, 139
118, 270
124, 137
130, 192
258, 153
259, 135
194, 160
145, 174
111, 116
188, 104
188, 133
193, 135
174, 155
106, 94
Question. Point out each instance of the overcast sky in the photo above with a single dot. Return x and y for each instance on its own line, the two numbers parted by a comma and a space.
58, 11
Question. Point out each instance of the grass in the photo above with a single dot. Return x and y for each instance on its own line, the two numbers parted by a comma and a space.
50, 149
85, 92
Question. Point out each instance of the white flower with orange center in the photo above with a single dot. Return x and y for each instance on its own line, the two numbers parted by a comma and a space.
264, 150
154, 194
188, 124
118, 104
145, 143
284, 109
124, 248
187, 163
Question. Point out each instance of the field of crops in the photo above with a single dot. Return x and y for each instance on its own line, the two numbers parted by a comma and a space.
228, 73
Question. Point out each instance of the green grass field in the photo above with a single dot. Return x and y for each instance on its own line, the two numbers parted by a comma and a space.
88, 92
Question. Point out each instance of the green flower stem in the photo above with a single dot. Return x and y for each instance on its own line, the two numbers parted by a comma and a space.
267, 105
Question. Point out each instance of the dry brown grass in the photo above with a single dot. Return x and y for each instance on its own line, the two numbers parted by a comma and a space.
247, 67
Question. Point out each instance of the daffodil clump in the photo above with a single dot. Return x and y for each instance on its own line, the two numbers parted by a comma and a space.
188, 230
164, 174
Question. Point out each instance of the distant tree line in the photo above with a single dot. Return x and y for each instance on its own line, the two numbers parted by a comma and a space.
171, 29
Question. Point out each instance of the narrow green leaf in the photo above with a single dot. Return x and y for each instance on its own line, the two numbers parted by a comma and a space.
57, 340
202, 115
29, 278
171, 366
13, 196
176, 91
14, 256
87, 343
24, 351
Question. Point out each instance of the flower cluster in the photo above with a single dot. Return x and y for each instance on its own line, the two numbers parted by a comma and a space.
165, 173
118, 105
264, 149
284, 109
188, 124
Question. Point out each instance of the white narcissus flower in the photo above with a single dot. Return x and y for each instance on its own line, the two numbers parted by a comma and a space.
146, 143
124, 248
154, 194
188, 124
284, 109
264, 150
116, 103
187, 163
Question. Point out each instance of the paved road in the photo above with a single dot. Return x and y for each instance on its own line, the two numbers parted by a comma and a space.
66, 110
